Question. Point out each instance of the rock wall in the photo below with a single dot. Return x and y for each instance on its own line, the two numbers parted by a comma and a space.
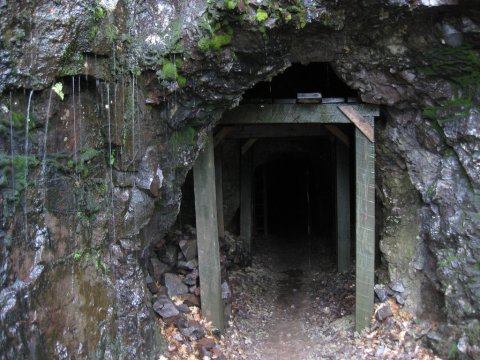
104, 108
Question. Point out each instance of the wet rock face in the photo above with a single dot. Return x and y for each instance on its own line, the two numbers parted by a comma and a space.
155, 75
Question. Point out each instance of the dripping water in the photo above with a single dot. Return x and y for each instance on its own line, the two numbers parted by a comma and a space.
27, 124
176, 76
74, 127
80, 119
12, 150
110, 160
44, 155
133, 149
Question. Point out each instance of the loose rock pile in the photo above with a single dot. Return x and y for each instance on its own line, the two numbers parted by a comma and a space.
394, 290
173, 280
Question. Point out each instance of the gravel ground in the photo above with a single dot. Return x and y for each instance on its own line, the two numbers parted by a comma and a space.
288, 306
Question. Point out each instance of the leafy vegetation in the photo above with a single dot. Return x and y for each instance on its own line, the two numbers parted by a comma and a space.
261, 15
461, 67
171, 71
58, 89
13, 174
93, 256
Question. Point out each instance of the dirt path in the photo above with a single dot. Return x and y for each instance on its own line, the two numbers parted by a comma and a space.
287, 307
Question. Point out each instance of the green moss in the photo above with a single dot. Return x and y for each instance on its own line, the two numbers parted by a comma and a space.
111, 33
185, 136
230, 4
169, 71
18, 121
214, 43
261, 15
99, 12
181, 81
71, 61
173, 36
460, 66
299, 14
17, 167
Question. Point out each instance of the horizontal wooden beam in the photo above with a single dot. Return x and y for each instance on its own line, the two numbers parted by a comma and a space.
359, 121
292, 114
276, 131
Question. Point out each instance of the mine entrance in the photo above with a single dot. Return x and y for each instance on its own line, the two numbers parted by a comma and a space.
304, 167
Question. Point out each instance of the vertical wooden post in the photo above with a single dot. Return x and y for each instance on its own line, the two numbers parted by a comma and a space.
246, 201
365, 229
207, 236
265, 202
219, 190
342, 205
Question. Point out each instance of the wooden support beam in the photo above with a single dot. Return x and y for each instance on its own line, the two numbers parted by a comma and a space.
265, 201
219, 190
222, 134
359, 121
207, 236
342, 206
275, 131
364, 228
246, 201
292, 114
248, 144
339, 134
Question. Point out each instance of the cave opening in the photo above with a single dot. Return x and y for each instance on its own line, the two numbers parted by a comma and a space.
290, 174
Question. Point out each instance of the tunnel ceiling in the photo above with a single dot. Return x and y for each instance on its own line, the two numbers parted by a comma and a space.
162, 73
298, 78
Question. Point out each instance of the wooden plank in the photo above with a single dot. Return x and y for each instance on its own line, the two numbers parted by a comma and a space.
265, 201
219, 190
246, 202
248, 144
359, 121
364, 228
339, 134
222, 133
292, 114
342, 206
207, 236
274, 131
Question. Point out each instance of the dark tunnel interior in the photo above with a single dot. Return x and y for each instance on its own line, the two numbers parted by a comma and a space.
300, 188
314, 77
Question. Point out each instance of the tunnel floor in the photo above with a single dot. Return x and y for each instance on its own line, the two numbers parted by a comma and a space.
286, 307
290, 303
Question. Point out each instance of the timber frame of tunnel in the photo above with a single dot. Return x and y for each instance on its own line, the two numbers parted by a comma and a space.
209, 198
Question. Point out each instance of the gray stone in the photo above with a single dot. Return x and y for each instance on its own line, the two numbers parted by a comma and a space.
381, 292
380, 350
174, 285
191, 278
151, 285
397, 286
189, 249
149, 175
193, 330
157, 269
188, 265
462, 345
226, 292
383, 312
164, 307
399, 299
183, 308
170, 256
